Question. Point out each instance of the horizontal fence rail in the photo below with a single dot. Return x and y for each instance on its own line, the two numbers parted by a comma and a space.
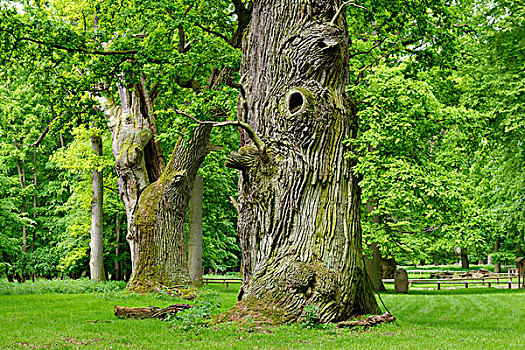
484, 281
511, 272
226, 281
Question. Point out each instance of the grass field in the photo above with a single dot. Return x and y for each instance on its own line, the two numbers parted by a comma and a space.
483, 318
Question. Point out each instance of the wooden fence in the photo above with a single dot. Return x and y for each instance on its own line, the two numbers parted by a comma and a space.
511, 272
485, 281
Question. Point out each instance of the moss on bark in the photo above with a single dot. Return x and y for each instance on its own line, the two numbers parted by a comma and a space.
299, 214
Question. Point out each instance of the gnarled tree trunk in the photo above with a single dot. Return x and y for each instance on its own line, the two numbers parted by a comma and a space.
155, 196
299, 220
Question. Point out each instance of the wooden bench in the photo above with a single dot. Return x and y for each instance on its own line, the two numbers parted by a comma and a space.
226, 281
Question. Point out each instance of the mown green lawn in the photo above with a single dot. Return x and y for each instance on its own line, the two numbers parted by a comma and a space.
479, 318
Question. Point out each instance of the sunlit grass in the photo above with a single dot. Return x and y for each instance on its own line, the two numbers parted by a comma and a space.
482, 318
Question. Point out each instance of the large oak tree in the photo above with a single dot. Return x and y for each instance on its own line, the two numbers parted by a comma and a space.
299, 214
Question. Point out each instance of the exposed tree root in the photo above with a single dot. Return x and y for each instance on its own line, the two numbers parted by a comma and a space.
148, 312
370, 321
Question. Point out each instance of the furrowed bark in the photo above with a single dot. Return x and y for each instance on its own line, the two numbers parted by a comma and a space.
299, 219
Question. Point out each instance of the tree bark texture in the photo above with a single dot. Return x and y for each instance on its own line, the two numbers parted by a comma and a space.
299, 205
155, 195
195, 234
96, 245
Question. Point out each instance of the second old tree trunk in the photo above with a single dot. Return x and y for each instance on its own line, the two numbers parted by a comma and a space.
155, 195
299, 221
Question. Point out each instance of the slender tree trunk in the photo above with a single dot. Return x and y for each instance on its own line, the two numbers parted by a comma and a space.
35, 184
118, 263
497, 266
299, 210
96, 258
20, 166
521, 238
195, 236
155, 195
464, 258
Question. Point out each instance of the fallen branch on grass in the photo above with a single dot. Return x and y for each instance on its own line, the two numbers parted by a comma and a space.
149, 312
370, 321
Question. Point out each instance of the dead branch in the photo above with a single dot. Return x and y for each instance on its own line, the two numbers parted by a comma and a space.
370, 321
148, 312
342, 7
46, 129
249, 130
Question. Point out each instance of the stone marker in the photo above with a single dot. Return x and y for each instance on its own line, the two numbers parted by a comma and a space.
401, 281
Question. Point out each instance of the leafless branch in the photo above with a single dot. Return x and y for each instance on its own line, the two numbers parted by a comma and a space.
342, 7
368, 51
375, 61
46, 129
249, 130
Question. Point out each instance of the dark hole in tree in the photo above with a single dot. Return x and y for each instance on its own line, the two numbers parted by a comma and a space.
296, 102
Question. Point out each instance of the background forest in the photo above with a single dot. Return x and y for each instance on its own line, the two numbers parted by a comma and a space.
439, 89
